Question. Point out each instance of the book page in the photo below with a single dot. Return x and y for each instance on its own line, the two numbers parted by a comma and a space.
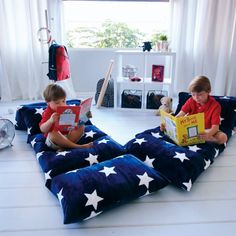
85, 108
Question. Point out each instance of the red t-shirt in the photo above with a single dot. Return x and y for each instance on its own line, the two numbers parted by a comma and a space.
211, 110
46, 116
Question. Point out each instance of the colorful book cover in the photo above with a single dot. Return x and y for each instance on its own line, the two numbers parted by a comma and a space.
73, 116
184, 130
157, 73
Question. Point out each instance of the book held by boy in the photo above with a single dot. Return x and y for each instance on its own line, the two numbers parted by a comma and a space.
184, 130
73, 116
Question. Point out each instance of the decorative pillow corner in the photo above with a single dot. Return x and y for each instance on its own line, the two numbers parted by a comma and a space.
89, 191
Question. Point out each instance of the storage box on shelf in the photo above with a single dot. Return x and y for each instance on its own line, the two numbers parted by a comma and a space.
143, 61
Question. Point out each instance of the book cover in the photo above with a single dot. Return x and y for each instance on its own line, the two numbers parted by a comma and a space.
157, 73
69, 118
73, 116
184, 130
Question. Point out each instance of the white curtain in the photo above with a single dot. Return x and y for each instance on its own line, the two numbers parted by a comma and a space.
23, 59
203, 36
21, 74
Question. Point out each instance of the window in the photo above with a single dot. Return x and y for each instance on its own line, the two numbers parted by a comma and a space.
114, 24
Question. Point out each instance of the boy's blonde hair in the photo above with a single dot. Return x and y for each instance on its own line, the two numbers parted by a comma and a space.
54, 92
199, 84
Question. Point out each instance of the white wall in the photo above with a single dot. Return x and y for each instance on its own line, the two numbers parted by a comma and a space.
88, 66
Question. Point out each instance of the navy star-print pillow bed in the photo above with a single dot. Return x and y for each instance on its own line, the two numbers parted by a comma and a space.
54, 163
180, 165
87, 192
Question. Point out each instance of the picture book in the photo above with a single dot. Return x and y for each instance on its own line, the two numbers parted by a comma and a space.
73, 116
157, 73
184, 130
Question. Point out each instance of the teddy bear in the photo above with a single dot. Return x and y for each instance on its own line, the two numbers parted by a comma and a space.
166, 105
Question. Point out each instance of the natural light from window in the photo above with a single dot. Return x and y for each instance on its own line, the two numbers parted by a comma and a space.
114, 24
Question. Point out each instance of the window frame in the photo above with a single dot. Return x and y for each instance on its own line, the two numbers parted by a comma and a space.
111, 1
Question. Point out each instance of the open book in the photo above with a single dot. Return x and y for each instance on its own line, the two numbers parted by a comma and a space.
73, 116
184, 130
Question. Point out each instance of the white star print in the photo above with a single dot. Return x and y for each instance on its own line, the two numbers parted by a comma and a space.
72, 171
188, 185
148, 161
147, 193
140, 140
39, 154
92, 159
93, 214
39, 111
19, 107
33, 142
207, 164
144, 179
89, 134
181, 156
108, 170
93, 199
62, 153
217, 152
29, 130
47, 175
122, 156
194, 148
233, 132
156, 135
103, 141
60, 196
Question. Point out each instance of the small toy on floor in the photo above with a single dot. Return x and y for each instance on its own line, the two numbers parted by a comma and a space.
166, 105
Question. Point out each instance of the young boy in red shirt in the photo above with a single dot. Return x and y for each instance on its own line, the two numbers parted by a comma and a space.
55, 96
201, 101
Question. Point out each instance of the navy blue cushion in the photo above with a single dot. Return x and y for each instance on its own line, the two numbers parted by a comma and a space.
54, 163
181, 165
89, 191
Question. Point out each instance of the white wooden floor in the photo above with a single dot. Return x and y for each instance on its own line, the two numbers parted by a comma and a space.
28, 208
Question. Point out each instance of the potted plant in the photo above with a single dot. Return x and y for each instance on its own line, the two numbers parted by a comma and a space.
163, 37
163, 44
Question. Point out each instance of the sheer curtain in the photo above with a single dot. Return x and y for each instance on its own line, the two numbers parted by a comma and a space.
23, 59
203, 36
21, 54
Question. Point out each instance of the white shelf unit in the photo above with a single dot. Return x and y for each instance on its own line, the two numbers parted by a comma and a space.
143, 61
